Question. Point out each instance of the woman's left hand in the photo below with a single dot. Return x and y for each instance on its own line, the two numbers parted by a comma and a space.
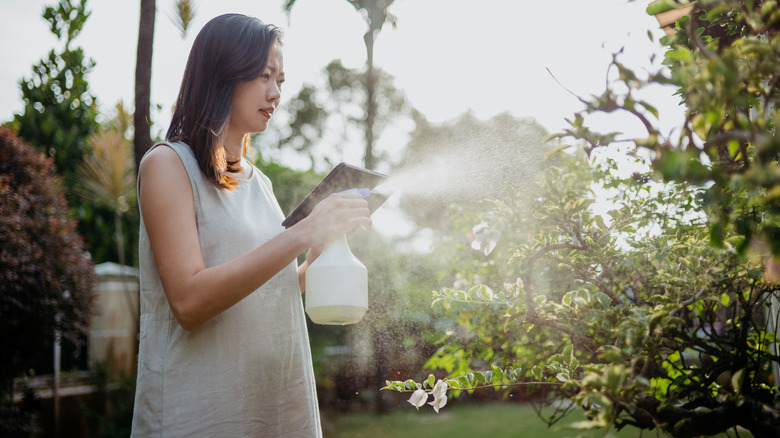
311, 256
313, 253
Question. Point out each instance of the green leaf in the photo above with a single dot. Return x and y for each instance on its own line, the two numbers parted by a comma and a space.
568, 352
680, 54
481, 292
556, 150
600, 222
738, 379
611, 354
649, 108
537, 373
615, 377
498, 374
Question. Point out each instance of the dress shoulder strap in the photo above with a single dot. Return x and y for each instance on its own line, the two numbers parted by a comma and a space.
190, 163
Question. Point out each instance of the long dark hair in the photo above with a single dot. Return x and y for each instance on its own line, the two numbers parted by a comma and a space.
229, 50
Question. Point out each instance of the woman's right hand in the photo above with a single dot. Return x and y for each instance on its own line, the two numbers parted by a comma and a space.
335, 216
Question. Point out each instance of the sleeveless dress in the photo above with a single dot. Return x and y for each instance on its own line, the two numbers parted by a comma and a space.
247, 372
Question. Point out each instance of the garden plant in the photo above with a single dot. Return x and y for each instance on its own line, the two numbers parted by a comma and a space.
660, 313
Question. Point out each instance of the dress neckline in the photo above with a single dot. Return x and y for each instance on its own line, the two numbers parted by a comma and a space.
247, 165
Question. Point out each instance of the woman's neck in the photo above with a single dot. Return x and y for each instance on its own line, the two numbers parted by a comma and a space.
232, 155
233, 146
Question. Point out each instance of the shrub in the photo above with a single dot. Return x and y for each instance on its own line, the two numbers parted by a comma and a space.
46, 279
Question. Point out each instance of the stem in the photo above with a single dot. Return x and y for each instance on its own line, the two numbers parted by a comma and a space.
491, 385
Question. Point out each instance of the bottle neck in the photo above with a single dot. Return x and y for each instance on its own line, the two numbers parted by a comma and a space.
337, 248
337, 253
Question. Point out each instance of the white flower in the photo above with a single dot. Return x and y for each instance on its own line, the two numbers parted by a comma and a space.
440, 389
438, 403
439, 395
418, 398
485, 238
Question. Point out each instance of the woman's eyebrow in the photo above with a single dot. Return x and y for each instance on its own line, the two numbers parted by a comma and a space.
274, 70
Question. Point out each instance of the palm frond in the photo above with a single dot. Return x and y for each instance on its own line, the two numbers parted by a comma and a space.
288, 5
123, 120
107, 175
185, 13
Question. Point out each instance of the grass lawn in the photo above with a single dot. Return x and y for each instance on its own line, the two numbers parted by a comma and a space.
492, 420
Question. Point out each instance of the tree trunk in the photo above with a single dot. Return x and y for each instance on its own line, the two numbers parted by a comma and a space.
142, 140
370, 100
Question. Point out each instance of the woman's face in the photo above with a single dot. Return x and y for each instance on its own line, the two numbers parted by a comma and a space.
254, 102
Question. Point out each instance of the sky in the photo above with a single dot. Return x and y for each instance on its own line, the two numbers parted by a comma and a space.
524, 57
448, 56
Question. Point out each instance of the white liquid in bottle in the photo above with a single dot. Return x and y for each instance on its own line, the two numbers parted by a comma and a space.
336, 286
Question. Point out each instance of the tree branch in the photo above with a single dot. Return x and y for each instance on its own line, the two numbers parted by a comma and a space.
530, 262
531, 317
573, 334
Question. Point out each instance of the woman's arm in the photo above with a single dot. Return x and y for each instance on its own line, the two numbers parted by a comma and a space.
196, 293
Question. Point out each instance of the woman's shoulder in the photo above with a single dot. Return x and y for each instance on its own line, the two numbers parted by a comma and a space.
166, 151
160, 151
162, 162
167, 154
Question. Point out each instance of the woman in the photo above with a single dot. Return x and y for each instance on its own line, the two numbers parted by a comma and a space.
224, 350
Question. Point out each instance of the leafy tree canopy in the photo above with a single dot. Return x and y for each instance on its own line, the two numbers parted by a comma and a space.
324, 120
60, 118
59, 111
724, 60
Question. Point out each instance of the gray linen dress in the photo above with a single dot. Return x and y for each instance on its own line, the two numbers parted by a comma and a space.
247, 372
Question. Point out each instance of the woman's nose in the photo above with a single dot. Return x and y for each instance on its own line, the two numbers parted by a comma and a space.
274, 94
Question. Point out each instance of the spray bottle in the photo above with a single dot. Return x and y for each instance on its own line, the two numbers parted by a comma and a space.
337, 283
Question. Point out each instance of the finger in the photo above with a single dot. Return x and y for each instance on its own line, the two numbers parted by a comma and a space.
345, 206
349, 199
338, 201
